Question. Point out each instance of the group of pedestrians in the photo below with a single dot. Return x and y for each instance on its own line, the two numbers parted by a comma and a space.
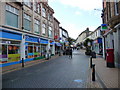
68, 52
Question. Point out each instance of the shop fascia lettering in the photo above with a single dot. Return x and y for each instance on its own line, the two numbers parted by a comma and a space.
32, 39
6, 42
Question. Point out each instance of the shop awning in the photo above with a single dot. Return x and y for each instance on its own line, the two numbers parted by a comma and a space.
58, 44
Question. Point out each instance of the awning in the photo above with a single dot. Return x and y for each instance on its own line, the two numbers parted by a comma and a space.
58, 44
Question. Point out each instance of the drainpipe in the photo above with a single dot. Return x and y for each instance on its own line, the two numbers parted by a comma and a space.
22, 44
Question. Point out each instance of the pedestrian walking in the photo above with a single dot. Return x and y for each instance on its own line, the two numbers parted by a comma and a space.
70, 53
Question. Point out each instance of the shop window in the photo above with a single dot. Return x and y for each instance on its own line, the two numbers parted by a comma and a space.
36, 51
43, 50
13, 53
30, 51
3, 54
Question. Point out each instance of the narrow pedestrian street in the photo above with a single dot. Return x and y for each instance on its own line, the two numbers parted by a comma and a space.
61, 72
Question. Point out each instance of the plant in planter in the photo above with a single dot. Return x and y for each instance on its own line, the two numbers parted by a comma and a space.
87, 44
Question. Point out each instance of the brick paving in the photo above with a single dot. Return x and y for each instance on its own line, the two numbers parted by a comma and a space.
109, 76
105, 77
11, 68
62, 72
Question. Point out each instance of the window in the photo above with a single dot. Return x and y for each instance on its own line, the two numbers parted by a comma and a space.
116, 7
27, 2
37, 26
35, 6
27, 22
49, 16
11, 15
38, 8
43, 29
50, 32
43, 12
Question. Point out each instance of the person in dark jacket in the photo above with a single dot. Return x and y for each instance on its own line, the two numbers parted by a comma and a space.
70, 53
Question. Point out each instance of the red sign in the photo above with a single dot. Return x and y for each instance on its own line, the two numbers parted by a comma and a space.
56, 37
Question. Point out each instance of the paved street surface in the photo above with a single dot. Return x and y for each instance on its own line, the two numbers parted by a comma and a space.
61, 72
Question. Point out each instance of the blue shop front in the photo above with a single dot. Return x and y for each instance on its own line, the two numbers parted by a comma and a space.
10, 42
97, 46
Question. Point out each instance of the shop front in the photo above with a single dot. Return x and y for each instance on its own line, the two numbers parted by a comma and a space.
52, 47
32, 48
10, 47
44, 43
57, 47
98, 46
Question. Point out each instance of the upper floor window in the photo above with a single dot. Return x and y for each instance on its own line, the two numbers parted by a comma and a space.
50, 32
116, 7
27, 2
43, 12
37, 26
35, 6
12, 16
38, 8
43, 29
27, 22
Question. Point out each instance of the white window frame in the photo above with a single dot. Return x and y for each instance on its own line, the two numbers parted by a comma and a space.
27, 2
12, 10
37, 22
43, 12
50, 30
28, 17
43, 26
116, 13
38, 8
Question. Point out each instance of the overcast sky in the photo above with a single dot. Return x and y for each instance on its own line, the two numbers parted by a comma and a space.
76, 15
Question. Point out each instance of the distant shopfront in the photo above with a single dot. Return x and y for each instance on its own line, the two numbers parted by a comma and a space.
97, 46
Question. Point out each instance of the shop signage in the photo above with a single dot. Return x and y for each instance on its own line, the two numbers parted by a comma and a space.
104, 27
56, 37
32, 39
6, 42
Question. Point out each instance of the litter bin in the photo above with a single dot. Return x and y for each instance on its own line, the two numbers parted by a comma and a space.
110, 58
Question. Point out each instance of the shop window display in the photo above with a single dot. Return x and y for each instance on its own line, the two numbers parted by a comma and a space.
13, 53
3, 54
36, 51
43, 50
30, 52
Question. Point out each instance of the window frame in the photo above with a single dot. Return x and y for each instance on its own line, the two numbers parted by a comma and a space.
50, 30
43, 26
27, 17
37, 22
43, 12
8, 8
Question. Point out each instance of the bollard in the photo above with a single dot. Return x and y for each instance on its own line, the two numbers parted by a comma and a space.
93, 72
22, 62
90, 61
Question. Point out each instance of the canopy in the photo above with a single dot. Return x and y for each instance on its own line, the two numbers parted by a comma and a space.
58, 44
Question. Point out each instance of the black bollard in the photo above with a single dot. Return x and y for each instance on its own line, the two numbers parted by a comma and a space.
91, 61
22, 62
93, 72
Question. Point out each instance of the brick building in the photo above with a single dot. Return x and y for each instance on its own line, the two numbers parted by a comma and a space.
26, 30
111, 17
57, 35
